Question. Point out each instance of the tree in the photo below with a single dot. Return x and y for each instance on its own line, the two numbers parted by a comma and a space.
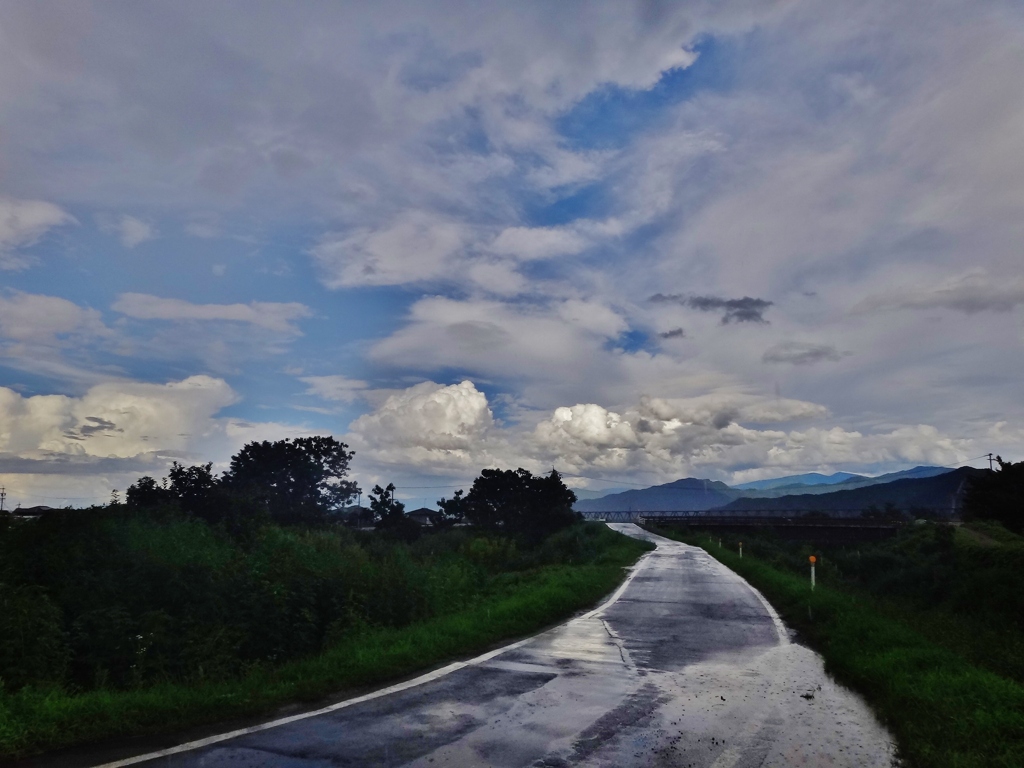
997, 496
147, 493
389, 514
298, 481
497, 499
193, 487
386, 511
450, 511
517, 502
550, 505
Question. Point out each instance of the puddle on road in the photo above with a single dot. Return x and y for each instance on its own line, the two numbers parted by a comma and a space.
777, 710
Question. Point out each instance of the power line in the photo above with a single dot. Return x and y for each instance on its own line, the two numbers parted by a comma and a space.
604, 480
563, 474
976, 458
423, 487
58, 498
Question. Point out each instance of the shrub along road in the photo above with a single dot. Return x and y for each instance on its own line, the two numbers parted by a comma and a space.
684, 665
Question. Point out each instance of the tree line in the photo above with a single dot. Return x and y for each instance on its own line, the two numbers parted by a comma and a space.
199, 576
288, 482
304, 481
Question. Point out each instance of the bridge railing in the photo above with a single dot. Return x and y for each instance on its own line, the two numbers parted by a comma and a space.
753, 517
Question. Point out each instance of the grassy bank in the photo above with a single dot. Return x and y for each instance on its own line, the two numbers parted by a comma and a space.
918, 666
494, 592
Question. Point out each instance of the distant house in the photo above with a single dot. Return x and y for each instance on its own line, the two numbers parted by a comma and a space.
424, 515
32, 511
356, 516
26, 513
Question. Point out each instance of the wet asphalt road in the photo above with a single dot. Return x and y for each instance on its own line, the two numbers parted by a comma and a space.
688, 667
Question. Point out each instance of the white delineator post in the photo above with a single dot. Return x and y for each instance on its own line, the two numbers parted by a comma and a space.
741, 550
813, 561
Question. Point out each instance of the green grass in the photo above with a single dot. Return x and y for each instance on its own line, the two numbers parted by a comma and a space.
942, 709
987, 532
37, 719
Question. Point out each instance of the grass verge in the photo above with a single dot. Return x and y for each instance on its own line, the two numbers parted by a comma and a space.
34, 720
943, 710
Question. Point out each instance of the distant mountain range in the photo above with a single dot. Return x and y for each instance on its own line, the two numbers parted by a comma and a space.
689, 493
584, 493
812, 478
937, 492
789, 487
932, 487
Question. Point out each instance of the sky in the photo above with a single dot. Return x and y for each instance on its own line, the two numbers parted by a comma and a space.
633, 241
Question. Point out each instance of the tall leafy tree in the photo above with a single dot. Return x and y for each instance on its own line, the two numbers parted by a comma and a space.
515, 501
998, 496
299, 480
389, 514
193, 487
550, 504
147, 493
450, 511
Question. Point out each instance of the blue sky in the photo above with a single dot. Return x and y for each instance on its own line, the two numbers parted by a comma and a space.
435, 230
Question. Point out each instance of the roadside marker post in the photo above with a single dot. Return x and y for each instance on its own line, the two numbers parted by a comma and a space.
813, 561
741, 550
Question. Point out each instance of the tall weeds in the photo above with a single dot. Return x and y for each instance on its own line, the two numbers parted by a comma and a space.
119, 624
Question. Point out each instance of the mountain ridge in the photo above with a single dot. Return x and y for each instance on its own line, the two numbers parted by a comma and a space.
941, 492
809, 478
699, 494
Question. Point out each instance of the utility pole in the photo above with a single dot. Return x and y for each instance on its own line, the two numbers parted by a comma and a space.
3, 497
990, 469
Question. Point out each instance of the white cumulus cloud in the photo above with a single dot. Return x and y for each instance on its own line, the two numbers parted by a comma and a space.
118, 419
428, 417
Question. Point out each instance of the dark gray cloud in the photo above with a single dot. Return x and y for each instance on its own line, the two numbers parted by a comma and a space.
66, 465
675, 333
972, 292
96, 424
800, 353
745, 310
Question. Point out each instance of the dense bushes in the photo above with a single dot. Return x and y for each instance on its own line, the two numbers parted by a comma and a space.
33, 645
115, 598
927, 566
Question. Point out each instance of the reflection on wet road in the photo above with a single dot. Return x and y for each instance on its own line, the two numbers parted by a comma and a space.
688, 667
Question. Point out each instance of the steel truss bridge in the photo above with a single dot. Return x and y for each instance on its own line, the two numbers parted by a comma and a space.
838, 526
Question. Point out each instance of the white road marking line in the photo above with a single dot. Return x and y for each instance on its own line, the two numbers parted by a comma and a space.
427, 678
